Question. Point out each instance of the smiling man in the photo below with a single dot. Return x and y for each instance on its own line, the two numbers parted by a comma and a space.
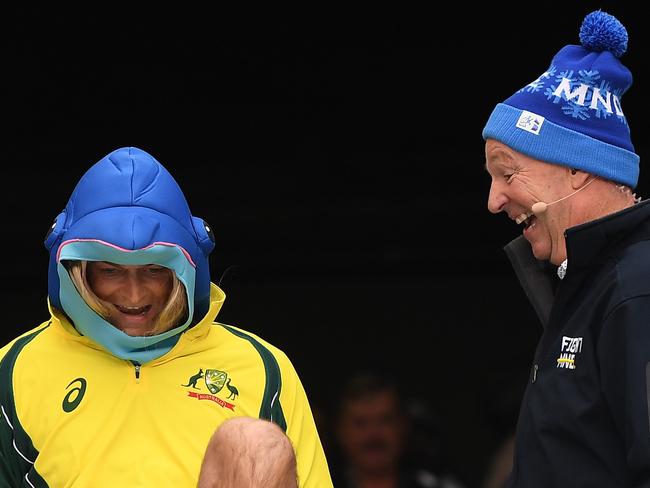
562, 165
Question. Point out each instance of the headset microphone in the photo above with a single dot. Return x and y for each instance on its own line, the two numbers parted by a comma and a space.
539, 208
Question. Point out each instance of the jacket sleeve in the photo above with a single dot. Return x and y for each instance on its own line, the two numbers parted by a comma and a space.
17, 453
9, 475
12, 466
624, 356
313, 471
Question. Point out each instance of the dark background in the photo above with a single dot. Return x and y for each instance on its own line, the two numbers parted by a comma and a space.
339, 161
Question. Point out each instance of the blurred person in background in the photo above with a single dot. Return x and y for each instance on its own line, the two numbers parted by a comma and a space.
373, 431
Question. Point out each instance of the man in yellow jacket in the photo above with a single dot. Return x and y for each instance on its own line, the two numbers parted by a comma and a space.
126, 383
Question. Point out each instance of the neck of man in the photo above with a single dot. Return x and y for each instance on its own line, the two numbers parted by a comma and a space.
385, 477
603, 198
384, 481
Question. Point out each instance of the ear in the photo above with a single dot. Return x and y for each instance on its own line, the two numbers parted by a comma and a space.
578, 178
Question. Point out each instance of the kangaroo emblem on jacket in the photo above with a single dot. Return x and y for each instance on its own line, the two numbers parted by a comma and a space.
215, 380
194, 378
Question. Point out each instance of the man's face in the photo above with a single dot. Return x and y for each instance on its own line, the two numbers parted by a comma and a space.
371, 431
518, 182
135, 295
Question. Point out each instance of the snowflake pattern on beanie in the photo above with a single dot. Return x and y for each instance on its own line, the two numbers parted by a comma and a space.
572, 114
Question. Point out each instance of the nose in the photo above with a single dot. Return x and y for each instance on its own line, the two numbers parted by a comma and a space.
133, 290
496, 198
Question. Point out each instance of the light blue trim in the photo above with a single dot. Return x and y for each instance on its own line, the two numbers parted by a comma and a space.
134, 348
559, 145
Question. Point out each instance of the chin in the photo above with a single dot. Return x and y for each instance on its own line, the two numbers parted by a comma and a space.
134, 331
541, 253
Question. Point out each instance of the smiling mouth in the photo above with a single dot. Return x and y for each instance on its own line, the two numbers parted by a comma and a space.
527, 219
133, 310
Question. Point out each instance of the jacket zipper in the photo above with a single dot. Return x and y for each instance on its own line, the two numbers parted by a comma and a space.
137, 372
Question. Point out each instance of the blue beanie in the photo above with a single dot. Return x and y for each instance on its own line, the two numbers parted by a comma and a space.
571, 115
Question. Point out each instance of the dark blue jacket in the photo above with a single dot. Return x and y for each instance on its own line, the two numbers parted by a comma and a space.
584, 419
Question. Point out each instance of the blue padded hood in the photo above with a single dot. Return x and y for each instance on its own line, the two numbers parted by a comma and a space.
129, 201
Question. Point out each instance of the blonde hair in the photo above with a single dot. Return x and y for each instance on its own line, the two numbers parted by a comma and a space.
171, 315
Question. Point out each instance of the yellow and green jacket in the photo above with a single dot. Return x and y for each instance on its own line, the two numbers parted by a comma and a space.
74, 415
